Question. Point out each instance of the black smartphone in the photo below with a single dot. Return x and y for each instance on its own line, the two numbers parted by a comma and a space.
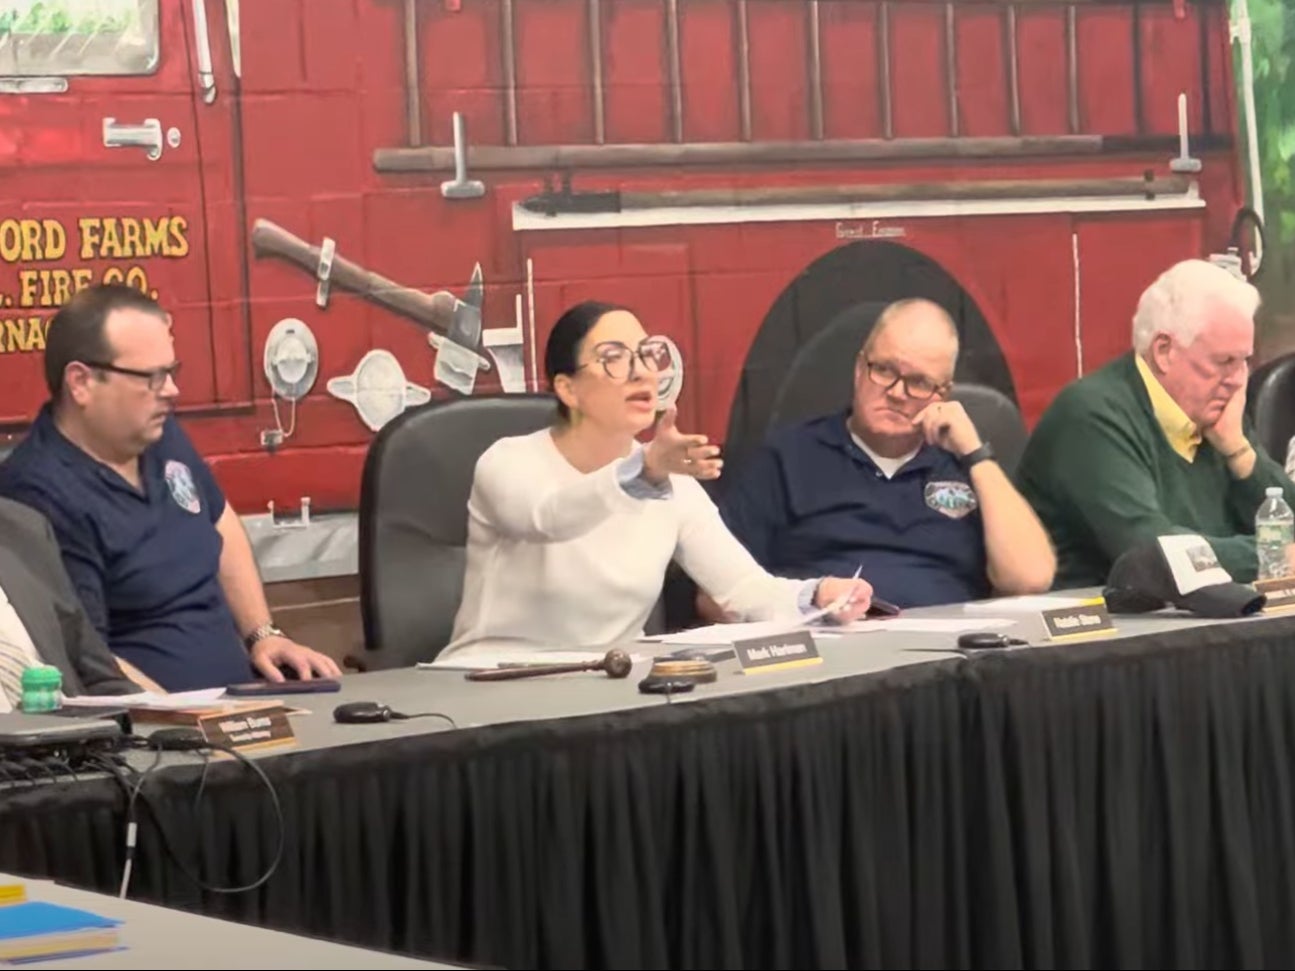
272, 689
882, 608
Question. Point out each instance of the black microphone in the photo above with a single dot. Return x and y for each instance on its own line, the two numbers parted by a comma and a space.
365, 713
372, 713
177, 740
986, 640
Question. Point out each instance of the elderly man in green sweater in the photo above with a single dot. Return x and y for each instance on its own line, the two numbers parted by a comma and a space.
1156, 442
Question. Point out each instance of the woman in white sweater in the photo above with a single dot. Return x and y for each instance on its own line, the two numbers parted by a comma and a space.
570, 529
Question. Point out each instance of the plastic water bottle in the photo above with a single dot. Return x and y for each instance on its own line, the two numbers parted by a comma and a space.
1274, 531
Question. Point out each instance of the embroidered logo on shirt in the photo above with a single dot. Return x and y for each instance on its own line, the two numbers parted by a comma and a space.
180, 481
953, 499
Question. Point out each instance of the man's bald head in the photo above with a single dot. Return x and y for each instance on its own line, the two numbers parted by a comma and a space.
922, 323
908, 360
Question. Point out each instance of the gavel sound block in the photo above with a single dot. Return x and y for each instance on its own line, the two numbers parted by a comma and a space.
616, 663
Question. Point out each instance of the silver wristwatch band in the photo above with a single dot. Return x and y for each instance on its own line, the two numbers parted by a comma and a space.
261, 633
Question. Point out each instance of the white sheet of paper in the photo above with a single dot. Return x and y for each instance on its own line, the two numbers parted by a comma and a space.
927, 625
149, 699
488, 659
1027, 604
727, 633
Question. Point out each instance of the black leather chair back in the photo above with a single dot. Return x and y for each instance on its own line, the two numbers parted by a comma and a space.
998, 421
414, 520
1270, 400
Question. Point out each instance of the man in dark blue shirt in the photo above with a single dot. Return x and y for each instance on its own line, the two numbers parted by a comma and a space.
901, 486
159, 559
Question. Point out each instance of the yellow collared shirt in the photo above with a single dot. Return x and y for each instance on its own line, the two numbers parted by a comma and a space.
1181, 432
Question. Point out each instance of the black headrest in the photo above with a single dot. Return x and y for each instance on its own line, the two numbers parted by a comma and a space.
1270, 400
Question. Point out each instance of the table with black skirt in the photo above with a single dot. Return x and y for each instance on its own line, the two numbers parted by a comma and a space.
1126, 801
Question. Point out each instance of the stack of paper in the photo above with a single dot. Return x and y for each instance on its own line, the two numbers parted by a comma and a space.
726, 633
926, 625
150, 700
36, 930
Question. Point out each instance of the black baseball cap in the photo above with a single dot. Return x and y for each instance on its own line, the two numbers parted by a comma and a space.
1142, 580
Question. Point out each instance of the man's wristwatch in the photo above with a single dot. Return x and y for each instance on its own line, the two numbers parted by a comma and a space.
261, 633
978, 455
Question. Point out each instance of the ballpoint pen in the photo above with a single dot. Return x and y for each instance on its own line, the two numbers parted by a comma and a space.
848, 599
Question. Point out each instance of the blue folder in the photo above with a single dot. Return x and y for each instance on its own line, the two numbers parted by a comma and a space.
35, 918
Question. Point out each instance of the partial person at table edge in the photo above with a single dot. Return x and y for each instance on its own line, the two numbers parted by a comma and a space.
41, 620
1156, 442
158, 558
900, 483
571, 528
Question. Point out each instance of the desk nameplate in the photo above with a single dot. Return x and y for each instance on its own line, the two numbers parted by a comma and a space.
777, 652
1090, 619
1280, 594
245, 726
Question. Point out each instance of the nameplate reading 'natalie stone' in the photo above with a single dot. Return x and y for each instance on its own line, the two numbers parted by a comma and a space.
1085, 620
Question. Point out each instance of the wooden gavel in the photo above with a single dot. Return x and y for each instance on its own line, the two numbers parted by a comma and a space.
616, 662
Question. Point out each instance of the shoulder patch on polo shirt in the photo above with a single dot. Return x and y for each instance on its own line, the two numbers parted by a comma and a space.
952, 498
180, 481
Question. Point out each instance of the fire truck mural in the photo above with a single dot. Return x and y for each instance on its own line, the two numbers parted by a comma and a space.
352, 207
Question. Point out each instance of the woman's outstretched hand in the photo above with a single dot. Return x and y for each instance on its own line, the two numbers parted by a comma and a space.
671, 452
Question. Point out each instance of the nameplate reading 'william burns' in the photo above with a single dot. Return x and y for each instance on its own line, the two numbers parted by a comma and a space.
249, 728
777, 652
1085, 620
1279, 594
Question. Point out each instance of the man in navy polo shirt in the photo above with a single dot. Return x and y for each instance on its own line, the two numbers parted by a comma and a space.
159, 559
901, 485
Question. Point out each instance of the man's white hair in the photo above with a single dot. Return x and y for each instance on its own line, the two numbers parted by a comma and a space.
1181, 300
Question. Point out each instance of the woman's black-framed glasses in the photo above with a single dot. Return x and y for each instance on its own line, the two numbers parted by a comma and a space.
617, 358
156, 377
917, 386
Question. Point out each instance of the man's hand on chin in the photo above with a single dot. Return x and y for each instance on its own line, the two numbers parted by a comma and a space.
1227, 435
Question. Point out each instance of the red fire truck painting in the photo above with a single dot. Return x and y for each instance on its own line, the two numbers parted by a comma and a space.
354, 206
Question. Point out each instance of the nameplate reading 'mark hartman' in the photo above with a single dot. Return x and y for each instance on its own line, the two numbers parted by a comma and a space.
250, 728
1280, 594
793, 649
1086, 620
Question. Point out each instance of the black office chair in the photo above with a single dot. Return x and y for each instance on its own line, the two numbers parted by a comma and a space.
414, 521
998, 421
1270, 401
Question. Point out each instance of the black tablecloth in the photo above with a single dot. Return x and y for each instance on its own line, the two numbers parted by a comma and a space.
1119, 804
